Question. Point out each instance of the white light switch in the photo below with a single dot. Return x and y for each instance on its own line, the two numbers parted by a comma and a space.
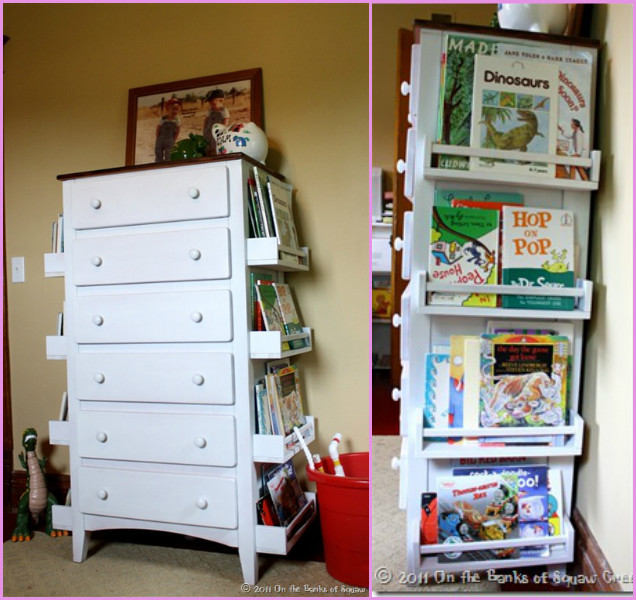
17, 269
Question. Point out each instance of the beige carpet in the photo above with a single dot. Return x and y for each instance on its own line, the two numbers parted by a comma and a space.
43, 567
389, 529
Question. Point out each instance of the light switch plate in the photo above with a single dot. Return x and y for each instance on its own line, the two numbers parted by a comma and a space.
17, 269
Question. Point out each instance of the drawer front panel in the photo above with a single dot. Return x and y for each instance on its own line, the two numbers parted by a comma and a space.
166, 497
188, 378
153, 197
153, 257
168, 317
153, 437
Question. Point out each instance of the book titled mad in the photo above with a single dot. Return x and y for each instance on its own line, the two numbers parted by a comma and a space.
523, 380
538, 251
464, 250
476, 508
514, 109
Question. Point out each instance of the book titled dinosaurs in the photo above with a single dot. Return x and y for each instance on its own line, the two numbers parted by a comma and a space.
464, 248
514, 109
538, 251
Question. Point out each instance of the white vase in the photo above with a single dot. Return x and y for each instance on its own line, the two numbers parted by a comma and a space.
540, 18
247, 138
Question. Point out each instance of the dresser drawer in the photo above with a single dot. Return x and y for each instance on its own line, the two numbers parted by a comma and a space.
188, 378
157, 437
166, 497
164, 317
153, 257
151, 197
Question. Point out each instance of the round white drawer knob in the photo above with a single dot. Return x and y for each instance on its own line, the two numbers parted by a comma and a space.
96, 203
98, 320
400, 166
99, 378
405, 88
200, 442
395, 463
101, 436
398, 244
202, 503
102, 494
196, 316
194, 193
195, 254
396, 394
97, 261
198, 379
397, 320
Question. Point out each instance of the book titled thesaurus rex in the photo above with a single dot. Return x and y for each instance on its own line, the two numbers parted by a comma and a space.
514, 109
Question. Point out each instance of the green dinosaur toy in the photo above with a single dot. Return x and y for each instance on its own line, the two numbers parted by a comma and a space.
36, 499
517, 138
192, 147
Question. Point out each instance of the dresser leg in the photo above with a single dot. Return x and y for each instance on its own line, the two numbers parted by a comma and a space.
81, 538
249, 565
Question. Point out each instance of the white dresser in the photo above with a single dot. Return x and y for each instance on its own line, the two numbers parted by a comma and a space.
161, 362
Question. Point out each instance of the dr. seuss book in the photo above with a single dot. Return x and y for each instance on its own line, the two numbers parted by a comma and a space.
478, 508
538, 251
533, 500
464, 249
576, 82
514, 109
523, 380
456, 94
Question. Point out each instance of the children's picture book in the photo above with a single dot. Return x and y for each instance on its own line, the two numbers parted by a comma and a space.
575, 98
457, 380
523, 380
266, 512
289, 398
262, 410
286, 493
532, 502
280, 198
464, 250
291, 322
555, 502
262, 195
436, 402
456, 94
478, 508
428, 525
270, 309
256, 315
538, 251
445, 197
514, 109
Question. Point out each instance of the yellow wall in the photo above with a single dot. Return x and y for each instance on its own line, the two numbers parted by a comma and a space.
67, 72
605, 496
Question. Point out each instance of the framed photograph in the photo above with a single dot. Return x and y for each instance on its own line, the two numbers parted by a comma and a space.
161, 115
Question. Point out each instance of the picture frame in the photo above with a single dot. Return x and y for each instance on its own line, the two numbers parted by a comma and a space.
162, 114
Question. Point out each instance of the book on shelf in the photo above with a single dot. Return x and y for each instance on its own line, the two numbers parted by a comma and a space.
266, 512
264, 277
428, 518
532, 503
255, 212
270, 309
287, 496
457, 379
538, 251
575, 98
289, 314
447, 197
280, 197
523, 380
289, 398
436, 391
463, 250
555, 503
475, 508
514, 109
263, 204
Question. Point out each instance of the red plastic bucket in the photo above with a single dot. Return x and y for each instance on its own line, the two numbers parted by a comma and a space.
343, 505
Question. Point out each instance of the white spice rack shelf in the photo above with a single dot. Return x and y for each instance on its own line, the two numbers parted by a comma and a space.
268, 344
266, 252
54, 265
280, 448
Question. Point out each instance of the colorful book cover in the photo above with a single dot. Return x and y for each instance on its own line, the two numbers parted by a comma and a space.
260, 179
428, 525
575, 98
291, 322
446, 197
280, 197
538, 250
514, 109
555, 502
532, 504
255, 308
478, 508
436, 402
524, 380
464, 250
456, 380
287, 496
270, 308
289, 398
456, 94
